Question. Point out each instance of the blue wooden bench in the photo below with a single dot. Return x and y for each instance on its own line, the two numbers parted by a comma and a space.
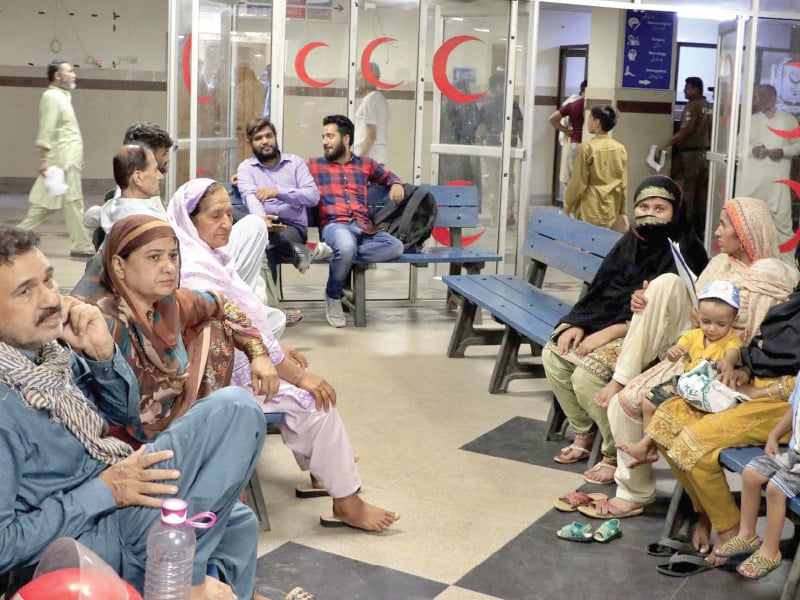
457, 209
735, 460
527, 313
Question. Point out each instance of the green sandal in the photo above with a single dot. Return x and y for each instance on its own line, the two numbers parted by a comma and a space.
737, 546
576, 532
608, 531
759, 565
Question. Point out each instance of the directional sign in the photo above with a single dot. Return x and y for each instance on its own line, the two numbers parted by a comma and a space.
647, 63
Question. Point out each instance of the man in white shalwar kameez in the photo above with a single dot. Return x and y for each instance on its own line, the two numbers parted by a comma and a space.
60, 145
768, 160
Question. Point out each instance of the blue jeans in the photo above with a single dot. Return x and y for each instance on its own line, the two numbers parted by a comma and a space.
348, 243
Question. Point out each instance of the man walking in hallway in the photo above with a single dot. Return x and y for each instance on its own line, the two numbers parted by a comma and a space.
60, 145
689, 164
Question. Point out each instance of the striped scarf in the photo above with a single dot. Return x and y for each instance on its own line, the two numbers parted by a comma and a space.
49, 386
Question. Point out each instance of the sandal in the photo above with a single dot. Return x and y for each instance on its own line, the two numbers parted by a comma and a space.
570, 501
299, 593
668, 546
584, 454
597, 470
737, 547
576, 532
759, 565
293, 317
608, 531
684, 565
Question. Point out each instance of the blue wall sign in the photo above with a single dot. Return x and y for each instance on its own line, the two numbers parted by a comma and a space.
647, 63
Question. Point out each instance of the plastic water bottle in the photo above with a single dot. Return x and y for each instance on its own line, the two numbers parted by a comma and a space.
170, 554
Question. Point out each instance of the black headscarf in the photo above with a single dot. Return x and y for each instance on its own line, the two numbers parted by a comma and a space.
641, 254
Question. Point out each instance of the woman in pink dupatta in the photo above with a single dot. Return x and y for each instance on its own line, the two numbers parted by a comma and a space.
200, 211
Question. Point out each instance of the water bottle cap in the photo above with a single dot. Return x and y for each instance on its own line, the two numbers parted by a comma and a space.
173, 511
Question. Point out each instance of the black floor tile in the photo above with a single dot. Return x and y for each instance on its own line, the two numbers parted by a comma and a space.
536, 564
523, 439
333, 577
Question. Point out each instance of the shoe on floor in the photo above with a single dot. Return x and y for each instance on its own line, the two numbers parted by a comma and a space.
321, 251
334, 313
302, 257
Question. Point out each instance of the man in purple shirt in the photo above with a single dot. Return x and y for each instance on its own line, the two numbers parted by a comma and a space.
279, 187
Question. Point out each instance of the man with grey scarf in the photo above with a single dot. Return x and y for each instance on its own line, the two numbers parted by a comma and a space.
62, 381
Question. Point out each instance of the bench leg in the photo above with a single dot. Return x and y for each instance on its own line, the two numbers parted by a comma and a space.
679, 507
598, 442
507, 366
555, 422
360, 295
255, 497
465, 334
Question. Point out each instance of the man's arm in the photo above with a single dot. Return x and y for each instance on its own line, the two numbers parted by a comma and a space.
247, 190
555, 121
24, 536
369, 139
303, 193
48, 121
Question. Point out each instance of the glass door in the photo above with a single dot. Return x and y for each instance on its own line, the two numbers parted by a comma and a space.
727, 92
201, 117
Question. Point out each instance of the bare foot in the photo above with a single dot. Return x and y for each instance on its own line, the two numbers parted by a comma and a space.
722, 537
701, 536
214, 589
579, 450
357, 513
257, 596
642, 452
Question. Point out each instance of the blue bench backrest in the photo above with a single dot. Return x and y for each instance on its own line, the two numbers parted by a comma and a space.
569, 245
456, 205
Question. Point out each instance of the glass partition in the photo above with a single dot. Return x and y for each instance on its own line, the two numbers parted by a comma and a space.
769, 143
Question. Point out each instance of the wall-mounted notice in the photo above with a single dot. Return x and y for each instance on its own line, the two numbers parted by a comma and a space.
647, 63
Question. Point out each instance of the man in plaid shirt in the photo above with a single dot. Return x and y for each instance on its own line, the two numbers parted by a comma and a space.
344, 219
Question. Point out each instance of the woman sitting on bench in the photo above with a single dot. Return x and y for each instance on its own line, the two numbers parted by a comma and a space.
579, 360
181, 343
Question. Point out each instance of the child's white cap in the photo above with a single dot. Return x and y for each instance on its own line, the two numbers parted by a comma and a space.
721, 290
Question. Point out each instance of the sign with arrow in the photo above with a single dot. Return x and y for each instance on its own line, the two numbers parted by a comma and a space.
647, 60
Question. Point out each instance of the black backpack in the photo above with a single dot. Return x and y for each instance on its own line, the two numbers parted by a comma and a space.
411, 221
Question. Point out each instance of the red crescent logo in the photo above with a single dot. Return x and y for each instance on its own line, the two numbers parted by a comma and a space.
792, 243
365, 60
187, 73
300, 65
442, 234
786, 133
440, 70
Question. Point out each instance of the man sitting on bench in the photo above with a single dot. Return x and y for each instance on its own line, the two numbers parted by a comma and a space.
344, 220
62, 381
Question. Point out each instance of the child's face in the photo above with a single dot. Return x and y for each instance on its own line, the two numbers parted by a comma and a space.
716, 319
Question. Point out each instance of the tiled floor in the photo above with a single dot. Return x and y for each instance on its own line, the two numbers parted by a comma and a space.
470, 473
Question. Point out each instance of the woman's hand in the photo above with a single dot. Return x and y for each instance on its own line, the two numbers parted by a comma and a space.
735, 379
591, 343
569, 338
323, 392
264, 377
296, 356
638, 299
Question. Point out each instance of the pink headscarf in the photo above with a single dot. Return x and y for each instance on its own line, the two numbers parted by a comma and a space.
204, 268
